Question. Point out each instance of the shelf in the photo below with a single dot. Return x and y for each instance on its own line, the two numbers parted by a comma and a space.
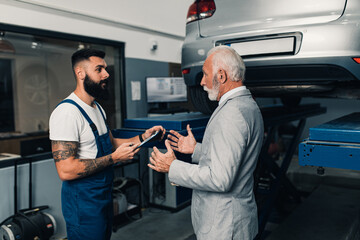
123, 185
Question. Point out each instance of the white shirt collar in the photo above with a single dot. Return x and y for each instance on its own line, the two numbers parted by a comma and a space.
227, 94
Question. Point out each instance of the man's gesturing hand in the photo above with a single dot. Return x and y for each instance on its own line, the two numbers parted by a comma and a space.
161, 162
181, 143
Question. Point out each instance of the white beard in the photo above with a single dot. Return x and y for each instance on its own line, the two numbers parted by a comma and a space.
212, 93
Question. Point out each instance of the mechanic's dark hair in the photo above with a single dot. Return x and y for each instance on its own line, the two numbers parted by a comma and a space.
85, 54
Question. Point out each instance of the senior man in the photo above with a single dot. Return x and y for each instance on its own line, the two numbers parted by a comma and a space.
221, 172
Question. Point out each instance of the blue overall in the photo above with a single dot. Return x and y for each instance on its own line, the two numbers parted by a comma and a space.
87, 202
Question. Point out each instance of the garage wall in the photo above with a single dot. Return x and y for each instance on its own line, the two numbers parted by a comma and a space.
137, 23
136, 71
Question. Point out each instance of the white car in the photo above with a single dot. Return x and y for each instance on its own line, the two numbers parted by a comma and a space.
291, 48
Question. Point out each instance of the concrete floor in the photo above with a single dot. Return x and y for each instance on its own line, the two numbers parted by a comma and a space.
157, 224
331, 212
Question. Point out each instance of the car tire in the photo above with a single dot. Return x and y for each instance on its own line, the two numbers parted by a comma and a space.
292, 101
201, 100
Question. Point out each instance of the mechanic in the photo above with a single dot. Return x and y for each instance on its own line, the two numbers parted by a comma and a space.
85, 151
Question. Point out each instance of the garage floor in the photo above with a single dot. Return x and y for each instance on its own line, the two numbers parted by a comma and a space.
331, 211
328, 213
157, 224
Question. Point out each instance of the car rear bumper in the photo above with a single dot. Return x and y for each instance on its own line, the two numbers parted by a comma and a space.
325, 55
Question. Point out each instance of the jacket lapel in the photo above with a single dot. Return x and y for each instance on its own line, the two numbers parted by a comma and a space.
244, 92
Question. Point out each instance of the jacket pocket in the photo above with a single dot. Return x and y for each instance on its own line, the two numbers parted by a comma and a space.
205, 211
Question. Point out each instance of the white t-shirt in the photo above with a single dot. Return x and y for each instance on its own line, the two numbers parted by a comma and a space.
68, 124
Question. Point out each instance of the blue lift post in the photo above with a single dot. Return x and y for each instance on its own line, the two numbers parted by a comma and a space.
334, 144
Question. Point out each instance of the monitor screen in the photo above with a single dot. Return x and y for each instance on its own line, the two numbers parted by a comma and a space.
166, 89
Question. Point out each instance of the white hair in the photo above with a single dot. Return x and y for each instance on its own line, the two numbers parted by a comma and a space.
228, 59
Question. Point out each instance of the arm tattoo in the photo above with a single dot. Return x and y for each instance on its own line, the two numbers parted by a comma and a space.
67, 149
70, 149
95, 165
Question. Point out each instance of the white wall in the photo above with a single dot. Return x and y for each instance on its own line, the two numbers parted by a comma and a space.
135, 22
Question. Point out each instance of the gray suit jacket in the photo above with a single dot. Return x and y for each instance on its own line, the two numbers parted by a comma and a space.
223, 203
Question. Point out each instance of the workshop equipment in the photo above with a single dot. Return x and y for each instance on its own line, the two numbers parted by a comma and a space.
334, 144
162, 193
29, 223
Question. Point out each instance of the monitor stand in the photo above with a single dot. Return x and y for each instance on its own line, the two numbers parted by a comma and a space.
164, 108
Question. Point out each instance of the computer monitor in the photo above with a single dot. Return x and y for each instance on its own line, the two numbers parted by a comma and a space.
166, 89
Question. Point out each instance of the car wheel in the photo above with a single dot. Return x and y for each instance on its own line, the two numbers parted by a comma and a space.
292, 101
201, 101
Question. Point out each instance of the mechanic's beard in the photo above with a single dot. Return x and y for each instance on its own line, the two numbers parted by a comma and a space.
212, 93
95, 89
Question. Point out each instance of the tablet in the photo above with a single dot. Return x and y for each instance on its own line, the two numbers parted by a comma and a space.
153, 137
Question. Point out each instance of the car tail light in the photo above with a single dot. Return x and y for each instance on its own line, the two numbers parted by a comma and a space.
200, 9
357, 59
186, 71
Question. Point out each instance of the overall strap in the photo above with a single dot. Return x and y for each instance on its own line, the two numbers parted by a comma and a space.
92, 125
102, 114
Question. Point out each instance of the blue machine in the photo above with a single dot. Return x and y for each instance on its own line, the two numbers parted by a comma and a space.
333, 144
162, 194
177, 122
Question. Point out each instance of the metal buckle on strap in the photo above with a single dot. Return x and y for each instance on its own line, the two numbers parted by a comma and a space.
93, 127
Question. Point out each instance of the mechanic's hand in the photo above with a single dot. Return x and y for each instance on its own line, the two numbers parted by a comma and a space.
124, 152
161, 162
181, 143
152, 130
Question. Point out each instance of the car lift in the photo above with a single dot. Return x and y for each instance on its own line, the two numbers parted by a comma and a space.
273, 117
334, 144
267, 190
